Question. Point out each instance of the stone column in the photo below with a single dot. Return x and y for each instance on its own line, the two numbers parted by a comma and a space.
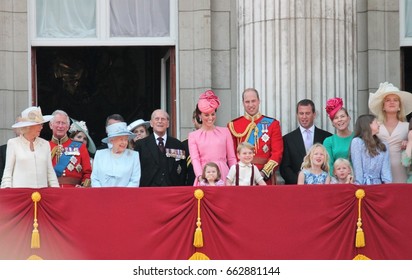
13, 61
295, 49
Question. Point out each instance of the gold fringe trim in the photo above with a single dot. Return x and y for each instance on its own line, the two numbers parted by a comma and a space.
199, 257
35, 236
268, 168
198, 238
360, 257
360, 235
87, 183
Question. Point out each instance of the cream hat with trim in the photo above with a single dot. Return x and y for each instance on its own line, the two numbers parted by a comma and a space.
386, 88
31, 116
137, 123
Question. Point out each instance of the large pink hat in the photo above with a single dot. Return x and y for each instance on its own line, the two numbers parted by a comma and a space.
333, 105
208, 102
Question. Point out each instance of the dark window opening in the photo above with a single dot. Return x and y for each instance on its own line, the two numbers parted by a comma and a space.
91, 83
406, 71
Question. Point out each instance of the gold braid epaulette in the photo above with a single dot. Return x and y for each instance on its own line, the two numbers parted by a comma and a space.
57, 148
188, 161
247, 131
53, 151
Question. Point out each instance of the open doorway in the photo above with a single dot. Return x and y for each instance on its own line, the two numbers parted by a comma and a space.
90, 83
406, 53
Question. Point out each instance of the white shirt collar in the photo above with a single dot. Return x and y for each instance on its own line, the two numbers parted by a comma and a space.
244, 164
157, 136
312, 129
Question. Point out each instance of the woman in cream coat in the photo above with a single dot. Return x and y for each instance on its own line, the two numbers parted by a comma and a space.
28, 160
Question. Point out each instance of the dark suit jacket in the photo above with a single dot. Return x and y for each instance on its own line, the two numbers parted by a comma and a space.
190, 178
150, 162
294, 152
3, 149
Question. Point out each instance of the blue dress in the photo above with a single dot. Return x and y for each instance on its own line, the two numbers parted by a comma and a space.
314, 179
111, 171
369, 170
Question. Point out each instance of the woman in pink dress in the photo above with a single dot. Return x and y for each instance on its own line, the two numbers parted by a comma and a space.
210, 143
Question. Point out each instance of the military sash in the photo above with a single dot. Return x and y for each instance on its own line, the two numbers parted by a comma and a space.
262, 128
64, 159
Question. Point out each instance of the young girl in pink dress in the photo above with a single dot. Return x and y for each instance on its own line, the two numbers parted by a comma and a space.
210, 143
211, 175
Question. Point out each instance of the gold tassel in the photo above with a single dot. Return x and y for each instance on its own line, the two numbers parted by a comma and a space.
360, 257
198, 238
35, 236
198, 257
360, 235
34, 257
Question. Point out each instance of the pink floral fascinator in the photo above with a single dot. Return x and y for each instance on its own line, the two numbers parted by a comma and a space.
333, 105
208, 102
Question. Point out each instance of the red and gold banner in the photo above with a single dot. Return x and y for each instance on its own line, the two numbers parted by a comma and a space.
273, 222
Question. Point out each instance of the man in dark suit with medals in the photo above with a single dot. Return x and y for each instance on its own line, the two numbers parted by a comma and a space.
298, 142
162, 157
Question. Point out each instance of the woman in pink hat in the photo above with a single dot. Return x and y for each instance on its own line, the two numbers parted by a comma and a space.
210, 143
338, 144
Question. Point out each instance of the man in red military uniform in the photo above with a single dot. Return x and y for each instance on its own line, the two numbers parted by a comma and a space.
71, 160
261, 131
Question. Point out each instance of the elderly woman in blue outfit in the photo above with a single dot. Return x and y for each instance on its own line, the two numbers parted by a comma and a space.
117, 166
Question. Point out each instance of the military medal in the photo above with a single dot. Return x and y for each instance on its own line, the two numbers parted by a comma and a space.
264, 128
70, 167
265, 148
60, 150
179, 169
175, 153
79, 168
265, 138
73, 160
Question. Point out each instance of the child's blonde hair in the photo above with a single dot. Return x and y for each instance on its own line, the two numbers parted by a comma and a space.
342, 161
211, 164
245, 145
307, 163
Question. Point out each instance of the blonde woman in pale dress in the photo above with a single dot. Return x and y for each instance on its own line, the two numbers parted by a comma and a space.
391, 106
28, 159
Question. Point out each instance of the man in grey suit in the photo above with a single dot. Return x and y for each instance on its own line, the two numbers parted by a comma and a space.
162, 157
298, 142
